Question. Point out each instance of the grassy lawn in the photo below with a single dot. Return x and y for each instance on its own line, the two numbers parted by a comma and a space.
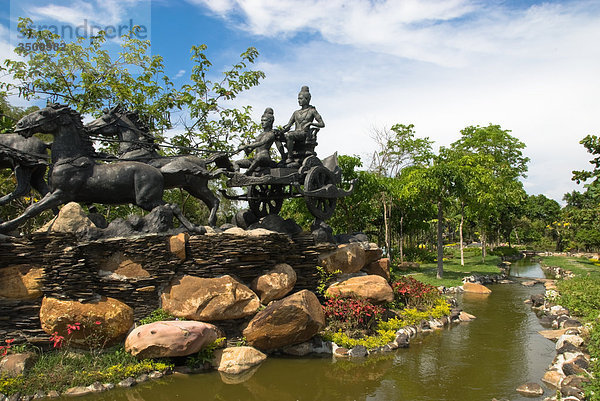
453, 271
581, 295
579, 266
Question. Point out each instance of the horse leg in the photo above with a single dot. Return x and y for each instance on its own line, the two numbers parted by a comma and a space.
185, 222
39, 184
23, 176
51, 200
198, 188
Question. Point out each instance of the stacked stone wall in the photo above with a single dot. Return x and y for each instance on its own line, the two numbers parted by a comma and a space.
136, 270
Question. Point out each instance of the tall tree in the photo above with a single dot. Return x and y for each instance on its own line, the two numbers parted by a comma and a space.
496, 188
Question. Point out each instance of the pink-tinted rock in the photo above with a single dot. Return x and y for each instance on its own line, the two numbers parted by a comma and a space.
289, 321
170, 338
373, 288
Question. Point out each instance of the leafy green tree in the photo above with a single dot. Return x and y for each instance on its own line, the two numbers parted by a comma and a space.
440, 182
398, 148
592, 144
582, 212
495, 191
88, 77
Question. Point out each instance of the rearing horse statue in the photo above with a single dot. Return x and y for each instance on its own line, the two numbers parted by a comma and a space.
75, 176
136, 143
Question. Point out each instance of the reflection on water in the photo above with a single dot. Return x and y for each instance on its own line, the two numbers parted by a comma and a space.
486, 358
526, 268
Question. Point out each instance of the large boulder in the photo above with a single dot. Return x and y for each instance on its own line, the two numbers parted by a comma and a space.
380, 267
209, 299
235, 360
372, 252
21, 282
275, 284
347, 258
70, 219
289, 321
103, 322
170, 338
373, 288
476, 288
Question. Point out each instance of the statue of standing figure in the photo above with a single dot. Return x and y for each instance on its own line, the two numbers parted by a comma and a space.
307, 121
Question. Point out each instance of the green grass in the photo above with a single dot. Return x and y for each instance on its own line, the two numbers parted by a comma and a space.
579, 266
60, 370
453, 271
581, 295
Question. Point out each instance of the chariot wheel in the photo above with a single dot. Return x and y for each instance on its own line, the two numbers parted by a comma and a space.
265, 199
319, 177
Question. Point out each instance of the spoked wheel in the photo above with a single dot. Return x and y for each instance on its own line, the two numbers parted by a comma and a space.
265, 199
319, 177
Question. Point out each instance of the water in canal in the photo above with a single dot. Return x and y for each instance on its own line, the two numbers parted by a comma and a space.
480, 360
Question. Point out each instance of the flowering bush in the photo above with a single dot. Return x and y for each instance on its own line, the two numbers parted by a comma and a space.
351, 313
414, 293
56, 340
5, 348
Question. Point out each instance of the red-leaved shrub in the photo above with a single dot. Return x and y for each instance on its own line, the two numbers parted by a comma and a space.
351, 313
414, 293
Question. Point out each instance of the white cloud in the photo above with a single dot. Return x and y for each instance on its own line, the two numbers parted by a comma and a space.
533, 71
179, 74
77, 12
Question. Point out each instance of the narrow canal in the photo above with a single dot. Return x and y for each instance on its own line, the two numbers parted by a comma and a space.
475, 361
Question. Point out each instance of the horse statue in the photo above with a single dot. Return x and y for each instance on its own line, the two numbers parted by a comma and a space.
184, 171
76, 177
28, 159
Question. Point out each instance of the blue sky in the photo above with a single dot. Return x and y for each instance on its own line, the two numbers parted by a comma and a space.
530, 66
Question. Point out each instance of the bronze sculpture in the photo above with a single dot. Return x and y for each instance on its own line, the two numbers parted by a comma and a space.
77, 177
302, 174
185, 171
28, 158
307, 122
261, 146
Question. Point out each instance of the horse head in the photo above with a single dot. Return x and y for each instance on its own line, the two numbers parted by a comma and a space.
46, 120
114, 120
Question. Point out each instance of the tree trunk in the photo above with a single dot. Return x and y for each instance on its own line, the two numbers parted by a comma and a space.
483, 246
402, 239
460, 233
386, 227
517, 236
440, 242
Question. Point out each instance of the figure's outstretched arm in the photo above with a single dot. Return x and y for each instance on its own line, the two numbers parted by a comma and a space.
287, 127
